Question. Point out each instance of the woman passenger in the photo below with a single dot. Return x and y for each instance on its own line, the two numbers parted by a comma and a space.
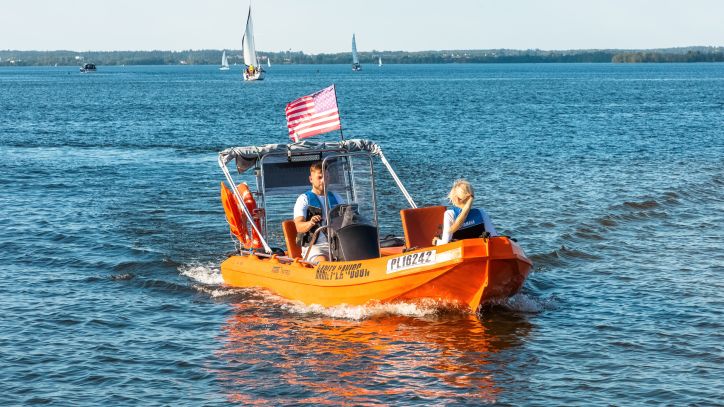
463, 221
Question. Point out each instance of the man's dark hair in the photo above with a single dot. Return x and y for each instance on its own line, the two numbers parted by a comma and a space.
316, 166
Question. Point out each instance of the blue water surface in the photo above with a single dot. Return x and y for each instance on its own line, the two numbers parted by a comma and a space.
611, 177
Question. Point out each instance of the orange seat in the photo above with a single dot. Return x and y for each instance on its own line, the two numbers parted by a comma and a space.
391, 251
420, 225
290, 236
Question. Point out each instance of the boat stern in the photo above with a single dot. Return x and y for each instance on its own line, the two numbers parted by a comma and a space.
484, 270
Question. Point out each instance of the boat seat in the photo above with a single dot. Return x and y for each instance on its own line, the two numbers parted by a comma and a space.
391, 251
357, 241
290, 236
420, 225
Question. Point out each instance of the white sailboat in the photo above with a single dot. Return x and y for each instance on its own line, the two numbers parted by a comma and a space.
224, 62
252, 72
355, 60
379, 61
268, 62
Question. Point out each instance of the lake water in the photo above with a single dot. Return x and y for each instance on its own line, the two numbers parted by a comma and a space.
611, 177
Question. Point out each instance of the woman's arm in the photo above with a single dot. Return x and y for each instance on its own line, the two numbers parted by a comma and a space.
447, 222
463, 215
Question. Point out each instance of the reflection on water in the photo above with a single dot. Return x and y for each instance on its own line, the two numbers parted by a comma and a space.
388, 359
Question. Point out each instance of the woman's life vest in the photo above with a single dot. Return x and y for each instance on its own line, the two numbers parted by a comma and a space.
472, 227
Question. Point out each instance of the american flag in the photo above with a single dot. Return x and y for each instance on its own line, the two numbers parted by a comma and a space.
313, 114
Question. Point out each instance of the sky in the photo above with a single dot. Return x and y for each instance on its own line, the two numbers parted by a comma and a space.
326, 26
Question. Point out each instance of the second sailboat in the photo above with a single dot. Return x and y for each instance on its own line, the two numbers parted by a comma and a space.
355, 60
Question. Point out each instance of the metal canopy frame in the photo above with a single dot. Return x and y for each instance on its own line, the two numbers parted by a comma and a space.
253, 157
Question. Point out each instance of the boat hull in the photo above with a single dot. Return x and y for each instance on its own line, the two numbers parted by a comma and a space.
468, 272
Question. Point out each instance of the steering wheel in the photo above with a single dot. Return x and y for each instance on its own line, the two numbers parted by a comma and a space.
337, 210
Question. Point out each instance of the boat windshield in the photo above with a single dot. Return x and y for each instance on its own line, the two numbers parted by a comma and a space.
282, 178
351, 176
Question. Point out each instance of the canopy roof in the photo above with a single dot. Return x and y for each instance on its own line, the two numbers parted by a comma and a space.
247, 157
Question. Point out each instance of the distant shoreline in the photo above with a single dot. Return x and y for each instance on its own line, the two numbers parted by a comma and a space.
211, 57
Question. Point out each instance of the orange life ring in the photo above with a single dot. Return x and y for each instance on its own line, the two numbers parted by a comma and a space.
252, 241
236, 218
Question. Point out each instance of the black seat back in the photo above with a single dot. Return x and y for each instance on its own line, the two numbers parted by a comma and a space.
352, 236
357, 241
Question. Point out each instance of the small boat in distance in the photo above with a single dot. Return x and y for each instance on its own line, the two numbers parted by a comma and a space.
355, 60
88, 68
252, 71
224, 62
379, 61
268, 62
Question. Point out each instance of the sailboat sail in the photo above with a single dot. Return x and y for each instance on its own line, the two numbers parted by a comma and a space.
224, 61
355, 59
248, 43
379, 61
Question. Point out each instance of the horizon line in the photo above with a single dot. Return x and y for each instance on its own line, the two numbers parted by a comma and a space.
374, 50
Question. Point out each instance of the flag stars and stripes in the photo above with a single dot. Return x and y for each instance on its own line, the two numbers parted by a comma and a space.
313, 114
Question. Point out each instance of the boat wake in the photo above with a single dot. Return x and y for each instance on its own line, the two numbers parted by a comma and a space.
207, 279
525, 304
204, 273
419, 309
583, 242
422, 309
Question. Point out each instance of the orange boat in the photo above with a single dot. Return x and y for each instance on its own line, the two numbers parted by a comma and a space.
363, 268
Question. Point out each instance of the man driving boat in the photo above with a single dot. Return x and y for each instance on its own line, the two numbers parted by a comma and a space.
311, 202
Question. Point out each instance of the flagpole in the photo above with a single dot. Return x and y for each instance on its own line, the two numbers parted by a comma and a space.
341, 135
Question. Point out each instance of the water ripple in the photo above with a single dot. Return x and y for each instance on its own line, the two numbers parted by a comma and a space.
112, 233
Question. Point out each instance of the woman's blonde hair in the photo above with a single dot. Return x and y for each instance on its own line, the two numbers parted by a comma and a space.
462, 185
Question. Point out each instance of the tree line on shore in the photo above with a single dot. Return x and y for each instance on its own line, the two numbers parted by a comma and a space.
212, 57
